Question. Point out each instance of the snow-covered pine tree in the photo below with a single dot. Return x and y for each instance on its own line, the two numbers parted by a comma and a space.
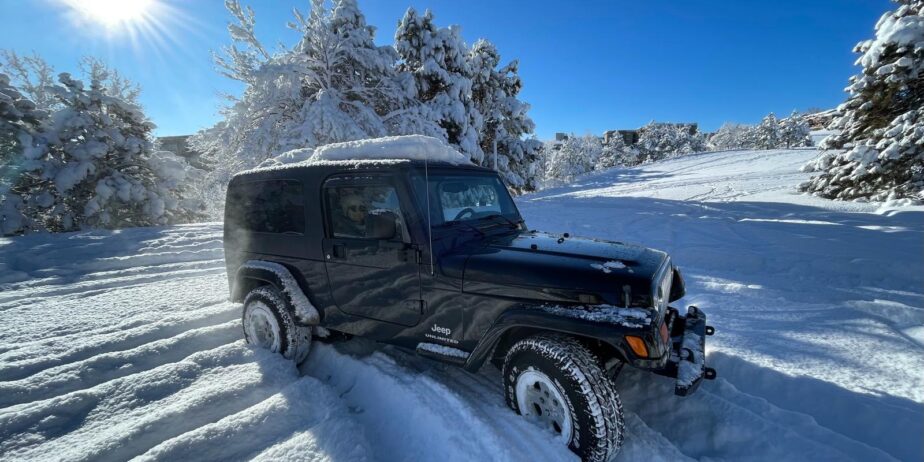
689, 143
766, 134
730, 136
882, 122
794, 131
33, 75
335, 85
114, 83
19, 123
96, 168
614, 152
437, 58
659, 141
495, 94
572, 157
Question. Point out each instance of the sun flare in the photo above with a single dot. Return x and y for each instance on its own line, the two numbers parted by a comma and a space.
113, 13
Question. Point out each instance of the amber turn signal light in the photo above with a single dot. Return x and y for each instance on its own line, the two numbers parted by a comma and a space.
637, 345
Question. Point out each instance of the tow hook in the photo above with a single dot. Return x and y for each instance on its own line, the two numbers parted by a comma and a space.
710, 330
709, 373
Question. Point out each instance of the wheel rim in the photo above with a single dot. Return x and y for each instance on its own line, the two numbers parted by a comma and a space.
539, 399
261, 327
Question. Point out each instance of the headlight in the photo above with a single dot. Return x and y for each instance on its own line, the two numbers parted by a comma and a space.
662, 291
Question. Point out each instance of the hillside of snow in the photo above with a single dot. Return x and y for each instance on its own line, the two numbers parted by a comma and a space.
122, 344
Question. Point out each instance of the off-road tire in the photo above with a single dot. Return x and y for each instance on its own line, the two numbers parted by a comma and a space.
596, 412
294, 340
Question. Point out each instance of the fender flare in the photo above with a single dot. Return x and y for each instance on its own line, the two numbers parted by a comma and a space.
530, 317
280, 277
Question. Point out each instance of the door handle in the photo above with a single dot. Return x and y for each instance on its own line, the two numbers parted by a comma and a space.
339, 251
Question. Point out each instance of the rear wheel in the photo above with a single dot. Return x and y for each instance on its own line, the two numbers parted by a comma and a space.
557, 382
268, 324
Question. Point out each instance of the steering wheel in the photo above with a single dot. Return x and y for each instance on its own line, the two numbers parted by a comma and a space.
464, 212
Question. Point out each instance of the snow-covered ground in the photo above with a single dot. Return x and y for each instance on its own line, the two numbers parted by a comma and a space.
121, 344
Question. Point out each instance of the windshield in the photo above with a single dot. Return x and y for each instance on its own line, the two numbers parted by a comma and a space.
467, 197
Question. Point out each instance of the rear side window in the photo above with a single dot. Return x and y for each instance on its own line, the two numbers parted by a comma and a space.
273, 206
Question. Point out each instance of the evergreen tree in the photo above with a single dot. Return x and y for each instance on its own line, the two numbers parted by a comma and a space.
794, 131
335, 85
882, 122
34, 76
495, 94
614, 153
659, 141
437, 58
572, 157
19, 122
767, 134
91, 164
731, 136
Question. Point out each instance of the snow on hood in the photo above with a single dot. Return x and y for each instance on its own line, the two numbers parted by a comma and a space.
378, 150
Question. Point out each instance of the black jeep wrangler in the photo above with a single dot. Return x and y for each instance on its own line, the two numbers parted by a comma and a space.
434, 257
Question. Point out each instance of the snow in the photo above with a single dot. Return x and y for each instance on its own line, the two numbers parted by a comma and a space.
122, 344
272, 165
305, 312
818, 135
388, 150
628, 317
442, 350
892, 30
609, 266
412, 147
690, 369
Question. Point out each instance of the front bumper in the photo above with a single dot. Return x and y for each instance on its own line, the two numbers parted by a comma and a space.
687, 363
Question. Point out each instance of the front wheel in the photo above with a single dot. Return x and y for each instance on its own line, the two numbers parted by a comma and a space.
268, 324
556, 381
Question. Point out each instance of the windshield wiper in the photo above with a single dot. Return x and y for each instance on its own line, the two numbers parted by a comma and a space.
466, 224
515, 224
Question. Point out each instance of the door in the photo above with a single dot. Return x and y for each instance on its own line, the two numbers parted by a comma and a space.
371, 265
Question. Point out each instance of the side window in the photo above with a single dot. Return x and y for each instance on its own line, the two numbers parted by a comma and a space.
364, 211
274, 206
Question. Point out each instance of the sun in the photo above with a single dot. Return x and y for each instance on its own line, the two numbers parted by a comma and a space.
113, 13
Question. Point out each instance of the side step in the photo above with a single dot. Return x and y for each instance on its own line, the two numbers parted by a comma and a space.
443, 353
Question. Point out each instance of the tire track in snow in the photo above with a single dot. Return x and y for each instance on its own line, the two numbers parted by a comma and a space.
126, 417
305, 420
30, 359
94, 282
76, 375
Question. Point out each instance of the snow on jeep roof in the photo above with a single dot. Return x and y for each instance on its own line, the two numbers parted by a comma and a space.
386, 150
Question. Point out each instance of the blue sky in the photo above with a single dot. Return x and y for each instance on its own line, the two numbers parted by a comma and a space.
586, 66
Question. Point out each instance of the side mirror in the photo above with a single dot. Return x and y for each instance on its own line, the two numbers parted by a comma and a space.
381, 225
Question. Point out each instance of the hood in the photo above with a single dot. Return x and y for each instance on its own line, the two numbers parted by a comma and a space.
555, 268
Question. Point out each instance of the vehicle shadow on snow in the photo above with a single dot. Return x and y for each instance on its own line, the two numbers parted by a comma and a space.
442, 411
752, 411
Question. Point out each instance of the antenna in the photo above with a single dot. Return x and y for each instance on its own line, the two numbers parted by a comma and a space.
429, 227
